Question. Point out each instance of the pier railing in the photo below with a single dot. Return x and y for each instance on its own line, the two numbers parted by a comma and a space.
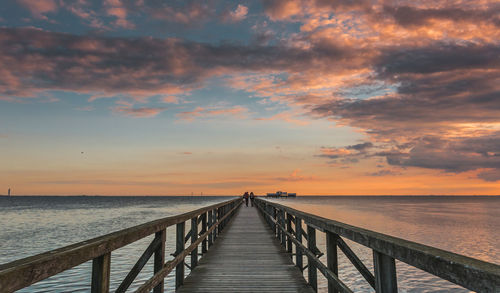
212, 219
287, 222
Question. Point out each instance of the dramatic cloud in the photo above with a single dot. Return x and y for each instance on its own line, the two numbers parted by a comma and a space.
39, 7
421, 79
34, 60
117, 9
238, 14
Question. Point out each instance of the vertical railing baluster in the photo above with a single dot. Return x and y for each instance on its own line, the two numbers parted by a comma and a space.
312, 273
331, 258
298, 251
101, 266
289, 229
159, 258
194, 237
385, 273
210, 219
179, 247
204, 229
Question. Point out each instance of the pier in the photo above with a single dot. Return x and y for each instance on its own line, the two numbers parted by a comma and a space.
268, 248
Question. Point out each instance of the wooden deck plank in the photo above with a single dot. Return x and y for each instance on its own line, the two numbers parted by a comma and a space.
246, 257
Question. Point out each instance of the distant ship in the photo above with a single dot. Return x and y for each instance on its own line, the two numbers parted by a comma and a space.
281, 194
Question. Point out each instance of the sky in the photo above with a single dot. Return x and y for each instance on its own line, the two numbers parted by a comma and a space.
317, 97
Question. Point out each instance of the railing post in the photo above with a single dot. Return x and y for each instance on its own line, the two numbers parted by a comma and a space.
269, 218
282, 223
179, 247
204, 229
312, 273
331, 258
159, 258
298, 235
194, 237
385, 273
289, 229
100, 273
210, 221
275, 224
219, 216
214, 221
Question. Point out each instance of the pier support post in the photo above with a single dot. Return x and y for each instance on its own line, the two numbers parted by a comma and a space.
194, 237
179, 247
312, 273
385, 273
210, 218
298, 251
159, 258
331, 258
100, 273
203, 230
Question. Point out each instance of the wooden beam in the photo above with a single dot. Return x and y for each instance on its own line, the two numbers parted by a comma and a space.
24, 272
210, 223
289, 229
312, 274
473, 274
298, 231
319, 265
179, 248
385, 273
194, 237
159, 259
136, 269
358, 264
100, 274
204, 247
331, 258
177, 261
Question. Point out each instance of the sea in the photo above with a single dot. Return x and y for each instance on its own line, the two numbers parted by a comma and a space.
467, 225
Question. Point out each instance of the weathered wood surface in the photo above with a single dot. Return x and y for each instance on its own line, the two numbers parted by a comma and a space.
246, 258
468, 272
24, 272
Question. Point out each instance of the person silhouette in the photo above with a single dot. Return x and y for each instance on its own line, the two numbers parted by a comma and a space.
245, 196
252, 197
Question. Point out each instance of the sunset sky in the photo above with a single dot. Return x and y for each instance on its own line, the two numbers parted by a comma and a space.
152, 97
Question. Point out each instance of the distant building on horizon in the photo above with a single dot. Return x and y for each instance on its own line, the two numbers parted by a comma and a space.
8, 193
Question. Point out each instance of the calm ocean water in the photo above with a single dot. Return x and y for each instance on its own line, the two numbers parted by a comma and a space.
464, 225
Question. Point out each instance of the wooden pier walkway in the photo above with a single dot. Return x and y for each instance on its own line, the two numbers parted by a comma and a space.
246, 257
247, 249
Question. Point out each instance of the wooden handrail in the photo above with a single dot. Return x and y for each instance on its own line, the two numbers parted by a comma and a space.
24, 272
468, 272
169, 266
